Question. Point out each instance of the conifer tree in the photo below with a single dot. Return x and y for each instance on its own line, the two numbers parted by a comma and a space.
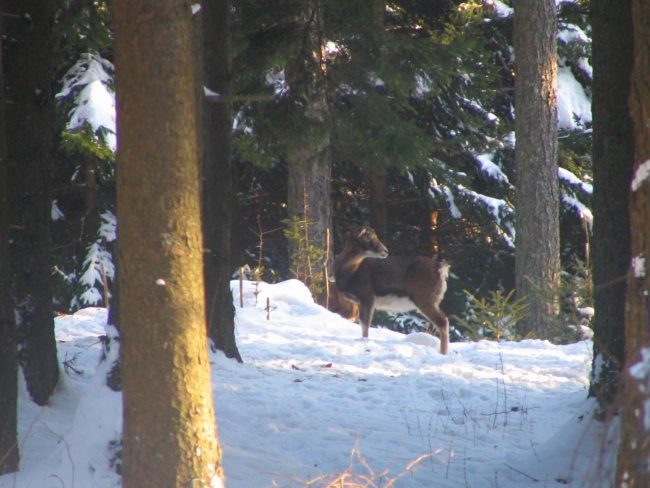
351, 82
633, 470
218, 198
9, 345
538, 232
30, 150
613, 151
164, 350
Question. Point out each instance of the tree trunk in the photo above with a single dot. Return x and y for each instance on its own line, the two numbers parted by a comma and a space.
164, 351
634, 451
29, 110
309, 159
309, 199
218, 188
9, 455
538, 238
613, 155
377, 179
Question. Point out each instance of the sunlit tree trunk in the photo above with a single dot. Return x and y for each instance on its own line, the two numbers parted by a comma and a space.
613, 154
634, 451
29, 117
537, 202
169, 437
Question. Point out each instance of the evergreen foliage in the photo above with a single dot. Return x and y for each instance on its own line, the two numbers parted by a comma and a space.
422, 89
441, 120
84, 227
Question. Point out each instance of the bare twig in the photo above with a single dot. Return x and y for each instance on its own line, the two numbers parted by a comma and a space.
535, 480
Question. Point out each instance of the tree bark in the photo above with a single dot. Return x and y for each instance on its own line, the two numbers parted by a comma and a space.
29, 109
309, 161
634, 452
613, 155
537, 202
377, 178
309, 186
218, 187
9, 455
164, 351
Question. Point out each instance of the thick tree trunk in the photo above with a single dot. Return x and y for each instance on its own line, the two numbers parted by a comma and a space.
538, 237
634, 452
164, 350
309, 158
218, 188
309, 199
613, 154
9, 343
29, 109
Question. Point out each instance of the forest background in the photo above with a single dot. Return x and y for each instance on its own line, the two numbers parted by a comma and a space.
404, 119
427, 157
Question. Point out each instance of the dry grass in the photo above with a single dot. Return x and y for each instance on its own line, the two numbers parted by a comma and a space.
368, 478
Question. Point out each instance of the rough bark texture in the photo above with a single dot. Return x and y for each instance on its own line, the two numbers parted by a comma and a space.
218, 190
309, 199
309, 161
169, 427
634, 451
537, 204
8, 344
29, 110
613, 154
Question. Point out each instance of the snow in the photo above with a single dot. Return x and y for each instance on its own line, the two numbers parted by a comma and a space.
313, 400
453, 208
573, 104
500, 9
570, 33
55, 212
573, 180
641, 372
583, 211
638, 266
491, 169
641, 175
95, 102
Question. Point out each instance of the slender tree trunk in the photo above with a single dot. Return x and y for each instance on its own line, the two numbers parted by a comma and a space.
29, 109
218, 188
613, 155
538, 237
377, 179
634, 451
164, 350
9, 455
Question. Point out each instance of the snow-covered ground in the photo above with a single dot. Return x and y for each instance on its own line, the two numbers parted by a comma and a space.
314, 400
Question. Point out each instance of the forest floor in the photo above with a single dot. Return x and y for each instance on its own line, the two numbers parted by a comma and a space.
314, 403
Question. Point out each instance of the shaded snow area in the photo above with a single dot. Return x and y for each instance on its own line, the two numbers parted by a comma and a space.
313, 399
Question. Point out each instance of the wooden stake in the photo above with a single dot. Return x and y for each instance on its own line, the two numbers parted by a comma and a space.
326, 268
107, 294
241, 287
